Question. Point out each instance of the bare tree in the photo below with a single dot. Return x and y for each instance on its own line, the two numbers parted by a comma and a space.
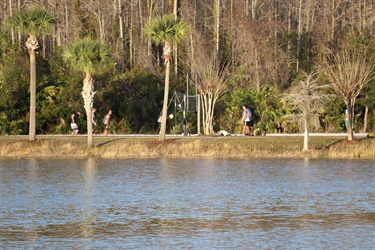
349, 71
212, 80
255, 53
306, 98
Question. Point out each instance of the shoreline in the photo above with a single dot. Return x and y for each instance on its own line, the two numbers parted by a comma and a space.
148, 146
356, 135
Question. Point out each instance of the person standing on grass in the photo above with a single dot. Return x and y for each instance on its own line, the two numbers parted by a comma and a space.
245, 120
106, 122
346, 119
73, 123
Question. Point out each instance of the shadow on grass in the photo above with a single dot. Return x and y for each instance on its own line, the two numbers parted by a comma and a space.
152, 142
346, 141
108, 142
157, 142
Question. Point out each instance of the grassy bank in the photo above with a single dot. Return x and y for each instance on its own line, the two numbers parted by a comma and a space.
189, 147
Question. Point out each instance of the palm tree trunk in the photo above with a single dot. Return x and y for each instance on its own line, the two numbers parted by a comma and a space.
32, 129
165, 102
88, 97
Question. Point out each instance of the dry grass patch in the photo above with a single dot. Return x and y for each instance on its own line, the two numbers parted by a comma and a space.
186, 147
364, 148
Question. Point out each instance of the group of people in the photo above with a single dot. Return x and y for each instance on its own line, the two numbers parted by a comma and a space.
75, 116
247, 121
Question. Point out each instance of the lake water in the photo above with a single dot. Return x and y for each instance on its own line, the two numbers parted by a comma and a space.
187, 204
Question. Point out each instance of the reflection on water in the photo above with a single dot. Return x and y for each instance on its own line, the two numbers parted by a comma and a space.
89, 194
187, 203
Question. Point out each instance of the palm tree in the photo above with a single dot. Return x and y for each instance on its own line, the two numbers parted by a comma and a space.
167, 30
89, 57
33, 21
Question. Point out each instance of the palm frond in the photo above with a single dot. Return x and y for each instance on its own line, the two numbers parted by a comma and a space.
166, 29
88, 56
32, 21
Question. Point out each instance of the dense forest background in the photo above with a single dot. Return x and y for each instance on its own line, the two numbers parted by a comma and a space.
265, 46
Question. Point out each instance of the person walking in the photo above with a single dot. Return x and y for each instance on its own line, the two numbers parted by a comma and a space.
106, 122
93, 118
73, 123
245, 120
251, 122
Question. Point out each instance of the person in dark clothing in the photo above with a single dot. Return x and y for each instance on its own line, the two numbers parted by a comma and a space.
73, 123
93, 118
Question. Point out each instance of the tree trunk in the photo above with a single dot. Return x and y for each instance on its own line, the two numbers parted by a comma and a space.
208, 105
66, 28
364, 129
206, 123
32, 127
175, 43
149, 42
101, 26
289, 43
140, 16
199, 115
217, 27
88, 98
253, 9
121, 25
44, 47
167, 57
306, 135
10, 14
131, 44
211, 118
165, 103
256, 69
203, 113
247, 8
192, 48
275, 32
299, 34
349, 107
333, 19
232, 32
